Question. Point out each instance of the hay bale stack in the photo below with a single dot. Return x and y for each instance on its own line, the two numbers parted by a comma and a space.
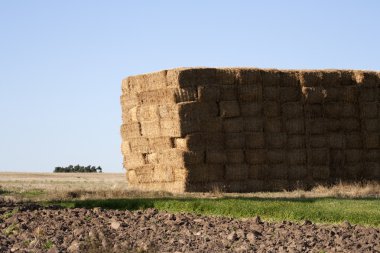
194, 129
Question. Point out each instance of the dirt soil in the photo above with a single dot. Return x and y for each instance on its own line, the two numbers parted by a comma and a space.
33, 228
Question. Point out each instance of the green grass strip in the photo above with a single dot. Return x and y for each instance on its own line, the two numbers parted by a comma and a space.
319, 210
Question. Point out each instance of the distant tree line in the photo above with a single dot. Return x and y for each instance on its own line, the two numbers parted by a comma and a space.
78, 169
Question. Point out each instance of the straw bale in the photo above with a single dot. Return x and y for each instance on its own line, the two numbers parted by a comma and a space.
130, 115
139, 145
295, 126
372, 125
168, 111
209, 93
234, 140
334, 94
276, 185
235, 156
271, 109
318, 141
233, 125
320, 172
372, 140
147, 113
318, 156
160, 143
252, 185
368, 94
237, 171
190, 142
296, 156
253, 124
296, 141
250, 93
336, 140
316, 126
347, 78
289, 79
275, 156
271, 93
211, 125
255, 156
333, 109
133, 160
314, 95
311, 78
164, 173
353, 155
151, 158
178, 128
369, 109
297, 172
331, 78
372, 155
205, 173
371, 170
350, 94
273, 125
130, 130
228, 93
128, 101
141, 174
333, 125
350, 124
251, 109
353, 140
214, 140
197, 76
292, 110
150, 128
229, 109
196, 110
217, 156
227, 76
125, 148
249, 77
276, 140
179, 157
270, 77
255, 140
290, 94
349, 110
255, 171
314, 111
277, 171
354, 171
369, 79
337, 158
167, 96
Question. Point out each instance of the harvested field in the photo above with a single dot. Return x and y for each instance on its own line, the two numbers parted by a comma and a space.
32, 228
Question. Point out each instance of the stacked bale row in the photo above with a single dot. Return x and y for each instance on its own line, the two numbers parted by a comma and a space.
249, 129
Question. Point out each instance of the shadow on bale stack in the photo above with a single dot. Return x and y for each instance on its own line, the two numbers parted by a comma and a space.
239, 130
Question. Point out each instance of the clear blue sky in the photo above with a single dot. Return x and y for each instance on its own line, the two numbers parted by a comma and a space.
61, 62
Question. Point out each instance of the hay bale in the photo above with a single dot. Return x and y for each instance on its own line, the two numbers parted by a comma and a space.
234, 140
213, 156
249, 77
336, 158
333, 109
130, 130
314, 111
205, 173
250, 93
277, 171
227, 76
354, 171
296, 141
132, 160
276, 140
214, 141
209, 93
142, 174
168, 111
350, 94
311, 78
163, 173
318, 156
296, 157
235, 156
275, 156
372, 170
337, 140
190, 111
353, 140
353, 155
334, 94
372, 140
368, 94
190, 142
271, 109
289, 79
369, 110
292, 110
192, 77
151, 158
316, 126
270, 77
297, 172
253, 124
273, 125
160, 143
371, 155
271, 93
237, 171
314, 95
228, 93
372, 125
349, 110
229, 109
333, 125
211, 125
138, 145
255, 171
290, 94
255, 156
317, 141
350, 124
180, 158
147, 113
233, 125
320, 172
255, 140
151, 128
331, 78
295, 126
251, 109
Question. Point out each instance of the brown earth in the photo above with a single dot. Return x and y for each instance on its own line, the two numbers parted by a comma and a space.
33, 228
